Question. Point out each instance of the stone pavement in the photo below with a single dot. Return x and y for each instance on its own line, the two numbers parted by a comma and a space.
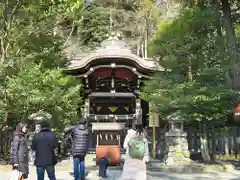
115, 174
64, 172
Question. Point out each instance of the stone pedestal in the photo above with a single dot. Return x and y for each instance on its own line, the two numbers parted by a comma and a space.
176, 148
31, 153
37, 118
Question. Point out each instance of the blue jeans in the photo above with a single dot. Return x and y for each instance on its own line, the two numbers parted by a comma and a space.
50, 171
79, 167
103, 165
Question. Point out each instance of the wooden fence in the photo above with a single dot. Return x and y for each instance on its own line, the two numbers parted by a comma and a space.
5, 141
5, 145
224, 142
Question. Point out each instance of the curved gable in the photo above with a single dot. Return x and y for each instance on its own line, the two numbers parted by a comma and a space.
116, 50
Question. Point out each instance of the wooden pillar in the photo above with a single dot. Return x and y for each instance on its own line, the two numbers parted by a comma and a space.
153, 122
154, 143
97, 139
119, 140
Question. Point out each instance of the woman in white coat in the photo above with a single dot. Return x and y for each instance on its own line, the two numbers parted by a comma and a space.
135, 169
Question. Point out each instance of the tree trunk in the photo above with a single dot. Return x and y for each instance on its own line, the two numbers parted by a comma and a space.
217, 9
5, 117
145, 44
190, 74
226, 142
204, 149
232, 42
142, 50
5, 33
204, 144
138, 48
213, 143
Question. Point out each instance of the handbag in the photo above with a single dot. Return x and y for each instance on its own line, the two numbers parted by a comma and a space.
15, 175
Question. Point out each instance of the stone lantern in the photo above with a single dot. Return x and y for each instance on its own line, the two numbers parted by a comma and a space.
175, 122
176, 141
37, 118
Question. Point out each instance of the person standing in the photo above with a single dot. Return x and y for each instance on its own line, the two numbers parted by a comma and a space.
80, 136
130, 134
135, 167
19, 151
44, 144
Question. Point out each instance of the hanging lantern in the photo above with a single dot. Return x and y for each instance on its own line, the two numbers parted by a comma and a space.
236, 114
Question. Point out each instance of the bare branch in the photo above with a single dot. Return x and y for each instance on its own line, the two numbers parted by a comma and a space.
6, 27
17, 6
69, 36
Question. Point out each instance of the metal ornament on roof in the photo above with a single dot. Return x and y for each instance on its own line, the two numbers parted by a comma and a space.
114, 43
40, 115
113, 47
114, 36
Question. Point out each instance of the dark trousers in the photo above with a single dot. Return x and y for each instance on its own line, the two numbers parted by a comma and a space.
50, 171
103, 165
79, 167
24, 176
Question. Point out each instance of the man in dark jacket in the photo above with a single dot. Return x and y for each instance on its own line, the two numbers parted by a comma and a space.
44, 143
79, 148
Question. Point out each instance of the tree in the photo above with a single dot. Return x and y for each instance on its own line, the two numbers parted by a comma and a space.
232, 42
35, 88
226, 19
186, 48
193, 47
95, 25
33, 35
134, 19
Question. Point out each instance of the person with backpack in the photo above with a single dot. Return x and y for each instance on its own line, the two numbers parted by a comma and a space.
137, 155
19, 151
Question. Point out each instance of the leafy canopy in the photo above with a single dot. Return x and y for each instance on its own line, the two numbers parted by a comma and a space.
197, 83
35, 88
33, 35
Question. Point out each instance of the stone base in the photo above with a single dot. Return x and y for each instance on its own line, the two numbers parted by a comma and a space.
187, 168
176, 158
190, 168
177, 149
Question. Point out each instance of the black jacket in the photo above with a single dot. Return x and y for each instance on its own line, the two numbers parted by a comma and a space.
44, 143
19, 152
80, 140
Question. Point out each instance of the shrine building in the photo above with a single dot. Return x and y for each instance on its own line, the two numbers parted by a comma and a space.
113, 77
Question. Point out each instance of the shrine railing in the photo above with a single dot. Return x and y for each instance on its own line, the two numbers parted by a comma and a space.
223, 142
104, 118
